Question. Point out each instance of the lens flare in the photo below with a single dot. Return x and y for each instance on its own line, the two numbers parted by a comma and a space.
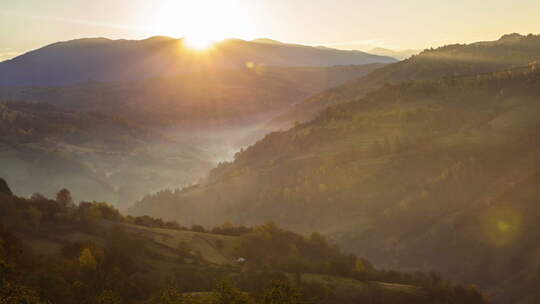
501, 225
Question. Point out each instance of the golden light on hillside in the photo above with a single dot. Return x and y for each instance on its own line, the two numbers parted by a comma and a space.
202, 22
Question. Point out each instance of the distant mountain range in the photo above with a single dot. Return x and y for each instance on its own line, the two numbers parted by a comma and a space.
100, 59
400, 55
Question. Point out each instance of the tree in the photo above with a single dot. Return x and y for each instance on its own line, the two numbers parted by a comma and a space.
34, 217
227, 293
281, 292
4, 188
198, 228
16, 294
171, 295
10, 292
89, 213
63, 197
87, 259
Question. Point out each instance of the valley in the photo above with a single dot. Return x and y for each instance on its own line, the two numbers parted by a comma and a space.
159, 133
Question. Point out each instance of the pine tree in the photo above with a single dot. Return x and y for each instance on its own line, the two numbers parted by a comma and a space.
4, 188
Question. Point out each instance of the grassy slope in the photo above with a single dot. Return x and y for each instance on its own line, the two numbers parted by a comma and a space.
164, 254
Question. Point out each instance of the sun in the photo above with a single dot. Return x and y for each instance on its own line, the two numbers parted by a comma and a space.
198, 43
203, 37
202, 23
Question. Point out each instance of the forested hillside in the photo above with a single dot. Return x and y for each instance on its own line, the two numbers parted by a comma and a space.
437, 174
53, 251
509, 51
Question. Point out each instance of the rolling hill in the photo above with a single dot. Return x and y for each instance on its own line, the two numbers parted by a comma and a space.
104, 60
438, 174
53, 251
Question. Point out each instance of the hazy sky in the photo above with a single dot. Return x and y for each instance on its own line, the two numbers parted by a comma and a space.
347, 24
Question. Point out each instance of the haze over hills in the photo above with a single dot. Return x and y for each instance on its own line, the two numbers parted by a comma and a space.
209, 96
45, 148
269, 152
393, 161
509, 51
400, 55
196, 120
429, 174
100, 59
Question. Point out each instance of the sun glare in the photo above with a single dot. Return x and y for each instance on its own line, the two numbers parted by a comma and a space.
199, 42
202, 22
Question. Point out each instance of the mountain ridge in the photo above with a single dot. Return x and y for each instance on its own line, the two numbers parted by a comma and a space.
102, 59
446, 61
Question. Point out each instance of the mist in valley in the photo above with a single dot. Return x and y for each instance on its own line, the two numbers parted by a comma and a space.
123, 168
118, 141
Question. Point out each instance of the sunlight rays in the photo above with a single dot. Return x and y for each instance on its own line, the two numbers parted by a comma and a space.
202, 23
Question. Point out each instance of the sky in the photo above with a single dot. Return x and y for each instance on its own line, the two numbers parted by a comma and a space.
344, 24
